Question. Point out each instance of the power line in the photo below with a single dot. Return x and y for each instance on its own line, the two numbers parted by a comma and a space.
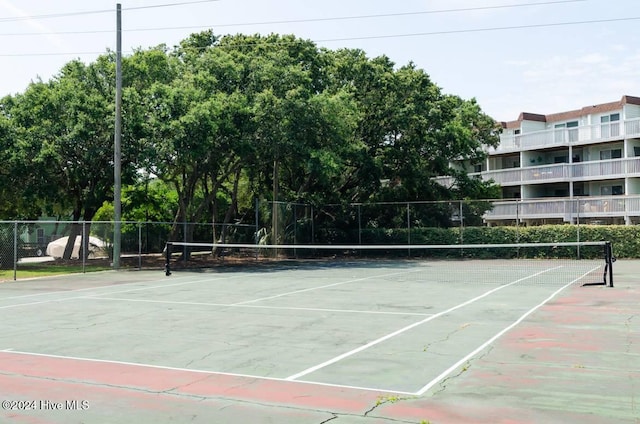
39, 33
54, 15
373, 37
335, 18
182, 3
383, 15
43, 54
97, 12
471, 30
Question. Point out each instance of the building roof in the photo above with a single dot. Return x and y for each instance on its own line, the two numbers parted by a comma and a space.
564, 116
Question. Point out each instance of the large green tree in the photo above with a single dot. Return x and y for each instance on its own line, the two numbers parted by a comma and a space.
222, 120
8, 177
66, 130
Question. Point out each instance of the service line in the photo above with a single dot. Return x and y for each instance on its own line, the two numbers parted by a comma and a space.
409, 327
235, 305
339, 283
453, 367
64, 299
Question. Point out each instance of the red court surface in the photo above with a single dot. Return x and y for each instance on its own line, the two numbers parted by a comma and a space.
576, 359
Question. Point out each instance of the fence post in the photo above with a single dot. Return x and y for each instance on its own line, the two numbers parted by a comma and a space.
274, 224
184, 239
139, 245
257, 215
84, 242
256, 236
409, 227
518, 222
578, 225
461, 212
15, 250
359, 224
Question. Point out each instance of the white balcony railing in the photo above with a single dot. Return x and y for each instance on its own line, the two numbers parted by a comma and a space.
567, 209
604, 169
585, 134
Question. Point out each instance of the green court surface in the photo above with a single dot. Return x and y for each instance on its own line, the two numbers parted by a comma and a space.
377, 341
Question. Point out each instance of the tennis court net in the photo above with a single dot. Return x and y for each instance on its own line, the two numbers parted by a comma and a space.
591, 263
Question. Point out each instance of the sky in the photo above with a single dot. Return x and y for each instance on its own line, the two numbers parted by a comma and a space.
512, 56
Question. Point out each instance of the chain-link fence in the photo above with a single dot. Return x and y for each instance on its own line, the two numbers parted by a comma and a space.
403, 222
24, 243
391, 222
450, 222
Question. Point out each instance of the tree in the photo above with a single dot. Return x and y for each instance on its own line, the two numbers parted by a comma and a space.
66, 128
8, 194
408, 132
223, 120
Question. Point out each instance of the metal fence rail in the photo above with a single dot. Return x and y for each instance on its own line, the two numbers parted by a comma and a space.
24, 242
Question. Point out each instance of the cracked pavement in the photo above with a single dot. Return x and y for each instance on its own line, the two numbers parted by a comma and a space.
141, 359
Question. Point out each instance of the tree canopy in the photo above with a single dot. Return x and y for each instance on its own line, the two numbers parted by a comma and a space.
223, 120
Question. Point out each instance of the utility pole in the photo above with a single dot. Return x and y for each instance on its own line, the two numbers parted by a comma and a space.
117, 156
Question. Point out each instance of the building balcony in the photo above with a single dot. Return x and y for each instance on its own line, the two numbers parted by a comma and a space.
581, 209
581, 171
586, 134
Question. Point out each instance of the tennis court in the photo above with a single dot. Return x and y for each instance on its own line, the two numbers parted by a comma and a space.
370, 340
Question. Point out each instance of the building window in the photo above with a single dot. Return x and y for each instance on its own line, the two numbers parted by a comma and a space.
566, 131
615, 190
570, 124
610, 154
610, 125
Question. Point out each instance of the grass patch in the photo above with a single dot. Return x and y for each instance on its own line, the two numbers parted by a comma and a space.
74, 266
47, 270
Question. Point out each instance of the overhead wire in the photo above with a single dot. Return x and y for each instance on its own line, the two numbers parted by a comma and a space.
278, 22
471, 30
102, 11
290, 21
356, 38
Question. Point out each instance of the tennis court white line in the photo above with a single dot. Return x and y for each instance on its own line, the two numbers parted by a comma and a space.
78, 290
323, 287
232, 305
409, 327
453, 367
17, 305
196, 371
64, 299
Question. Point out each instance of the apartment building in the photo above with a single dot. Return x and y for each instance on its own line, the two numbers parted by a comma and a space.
577, 166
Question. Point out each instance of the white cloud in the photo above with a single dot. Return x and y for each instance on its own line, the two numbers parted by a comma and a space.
565, 82
593, 58
518, 63
619, 47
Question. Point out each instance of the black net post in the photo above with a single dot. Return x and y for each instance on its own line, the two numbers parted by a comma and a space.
167, 264
609, 259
